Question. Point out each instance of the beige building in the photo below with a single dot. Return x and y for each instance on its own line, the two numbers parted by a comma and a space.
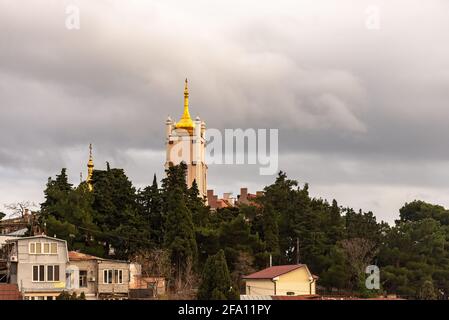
286, 280
98, 278
37, 265
186, 142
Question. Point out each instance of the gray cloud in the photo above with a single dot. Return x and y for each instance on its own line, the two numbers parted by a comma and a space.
361, 113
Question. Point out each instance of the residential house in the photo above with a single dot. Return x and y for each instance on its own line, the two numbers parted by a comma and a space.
285, 280
16, 226
98, 278
37, 265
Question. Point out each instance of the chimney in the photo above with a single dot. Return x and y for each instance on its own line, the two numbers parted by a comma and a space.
210, 194
243, 194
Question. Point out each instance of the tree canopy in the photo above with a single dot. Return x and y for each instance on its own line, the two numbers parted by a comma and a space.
218, 247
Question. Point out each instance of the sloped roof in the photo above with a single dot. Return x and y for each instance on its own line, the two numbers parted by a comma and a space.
42, 236
250, 297
300, 297
78, 256
275, 271
18, 233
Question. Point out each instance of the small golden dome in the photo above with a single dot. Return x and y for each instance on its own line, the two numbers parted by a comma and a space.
186, 122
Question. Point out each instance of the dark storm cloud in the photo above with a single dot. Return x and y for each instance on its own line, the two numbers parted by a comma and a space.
362, 113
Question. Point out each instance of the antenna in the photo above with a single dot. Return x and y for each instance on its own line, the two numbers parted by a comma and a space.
297, 250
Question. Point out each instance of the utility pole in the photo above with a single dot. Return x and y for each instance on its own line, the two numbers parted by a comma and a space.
297, 250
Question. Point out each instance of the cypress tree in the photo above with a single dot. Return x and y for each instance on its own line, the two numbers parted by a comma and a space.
216, 282
200, 212
179, 228
151, 211
271, 231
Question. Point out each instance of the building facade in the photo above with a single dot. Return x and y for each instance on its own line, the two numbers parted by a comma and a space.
37, 265
186, 142
98, 278
285, 280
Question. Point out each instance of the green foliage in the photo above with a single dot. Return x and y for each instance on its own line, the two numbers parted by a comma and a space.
336, 243
271, 231
150, 206
179, 229
67, 212
216, 282
122, 225
200, 213
427, 291
64, 295
414, 253
420, 210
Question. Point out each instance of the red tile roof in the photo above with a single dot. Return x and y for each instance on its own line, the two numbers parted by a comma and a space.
78, 256
275, 271
9, 292
301, 297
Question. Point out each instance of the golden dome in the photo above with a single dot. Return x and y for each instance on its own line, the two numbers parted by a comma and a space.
90, 169
186, 122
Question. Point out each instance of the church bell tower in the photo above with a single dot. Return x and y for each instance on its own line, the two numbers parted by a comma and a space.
185, 141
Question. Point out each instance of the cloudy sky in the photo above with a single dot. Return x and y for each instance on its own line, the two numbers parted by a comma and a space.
360, 99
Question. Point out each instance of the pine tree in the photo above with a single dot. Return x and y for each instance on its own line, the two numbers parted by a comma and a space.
68, 214
117, 213
55, 191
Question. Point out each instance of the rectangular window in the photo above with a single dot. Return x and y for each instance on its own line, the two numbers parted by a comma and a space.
50, 298
49, 273
83, 279
107, 276
35, 273
41, 273
56, 273
43, 247
118, 276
